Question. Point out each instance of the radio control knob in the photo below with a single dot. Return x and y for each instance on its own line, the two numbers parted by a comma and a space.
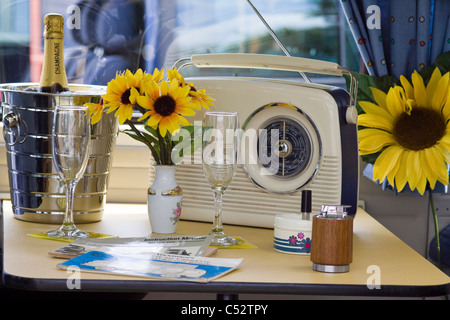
351, 115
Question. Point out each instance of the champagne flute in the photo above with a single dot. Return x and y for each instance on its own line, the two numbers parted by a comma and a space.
70, 148
220, 154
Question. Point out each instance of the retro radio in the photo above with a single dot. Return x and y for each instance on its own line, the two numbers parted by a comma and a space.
315, 146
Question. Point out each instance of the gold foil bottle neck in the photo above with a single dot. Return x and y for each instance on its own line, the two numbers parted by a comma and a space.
53, 76
53, 26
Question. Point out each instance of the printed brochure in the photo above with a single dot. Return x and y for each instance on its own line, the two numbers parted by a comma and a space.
175, 244
154, 265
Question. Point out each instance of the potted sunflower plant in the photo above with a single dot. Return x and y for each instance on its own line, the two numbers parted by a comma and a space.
404, 133
163, 104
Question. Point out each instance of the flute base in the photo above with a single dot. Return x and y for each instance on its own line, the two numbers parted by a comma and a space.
220, 239
72, 233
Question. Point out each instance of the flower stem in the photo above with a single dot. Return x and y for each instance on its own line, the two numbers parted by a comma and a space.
168, 140
436, 229
162, 148
142, 139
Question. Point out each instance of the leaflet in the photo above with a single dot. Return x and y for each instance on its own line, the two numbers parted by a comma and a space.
154, 265
174, 244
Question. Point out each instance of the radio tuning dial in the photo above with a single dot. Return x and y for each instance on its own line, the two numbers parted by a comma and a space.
291, 144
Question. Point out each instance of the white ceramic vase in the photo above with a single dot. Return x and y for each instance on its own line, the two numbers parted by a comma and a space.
164, 200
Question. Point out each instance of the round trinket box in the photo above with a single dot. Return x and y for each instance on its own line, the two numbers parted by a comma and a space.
292, 234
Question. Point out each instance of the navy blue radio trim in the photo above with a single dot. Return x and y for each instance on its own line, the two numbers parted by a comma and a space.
349, 151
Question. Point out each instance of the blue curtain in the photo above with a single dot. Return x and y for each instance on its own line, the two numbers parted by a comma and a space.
399, 36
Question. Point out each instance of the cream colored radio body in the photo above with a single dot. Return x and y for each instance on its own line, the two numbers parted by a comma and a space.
316, 143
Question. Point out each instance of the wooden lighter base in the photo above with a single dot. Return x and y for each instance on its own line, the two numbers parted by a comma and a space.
332, 243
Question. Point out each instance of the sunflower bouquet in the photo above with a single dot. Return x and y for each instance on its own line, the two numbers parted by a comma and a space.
404, 129
163, 105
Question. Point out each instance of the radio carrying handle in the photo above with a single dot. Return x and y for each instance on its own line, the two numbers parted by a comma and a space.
276, 62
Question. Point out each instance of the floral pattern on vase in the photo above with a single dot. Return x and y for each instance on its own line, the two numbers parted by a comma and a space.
164, 200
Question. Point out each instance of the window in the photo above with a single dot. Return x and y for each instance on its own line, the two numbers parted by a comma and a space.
14, 40
102, 37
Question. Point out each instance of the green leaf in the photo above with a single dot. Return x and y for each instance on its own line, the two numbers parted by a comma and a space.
152, 131
183, 147
370, 158
133, 135
154, 147
384, 83
442, 62
365, 81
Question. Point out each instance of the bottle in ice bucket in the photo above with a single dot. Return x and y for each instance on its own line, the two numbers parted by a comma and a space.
53, 76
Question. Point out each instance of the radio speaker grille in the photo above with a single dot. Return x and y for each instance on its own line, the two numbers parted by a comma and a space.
246, 204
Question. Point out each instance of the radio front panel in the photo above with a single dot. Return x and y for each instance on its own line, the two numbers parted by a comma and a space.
308, 122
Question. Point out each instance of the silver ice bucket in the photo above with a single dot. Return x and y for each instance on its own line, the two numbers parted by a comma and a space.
37, 193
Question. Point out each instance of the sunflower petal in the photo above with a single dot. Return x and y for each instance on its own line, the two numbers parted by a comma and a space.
145, 102
394, 101
373, 140
124, 113
413, 169
386, 162
146, 115
445, 151
133, 95
164, 88
436, 161
375, 121
170, 123
154, 120
167, 124
187, 112
432, 84
401, 177
372, 108
440, 94
428, 170
183, 121
379, 96
391, 175
421, 184
409, 90
420, 94
446, 108
157, 75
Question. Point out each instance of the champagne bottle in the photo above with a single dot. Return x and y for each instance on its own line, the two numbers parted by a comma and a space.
53, 76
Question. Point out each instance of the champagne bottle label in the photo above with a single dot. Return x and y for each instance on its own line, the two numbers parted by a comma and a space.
53, 76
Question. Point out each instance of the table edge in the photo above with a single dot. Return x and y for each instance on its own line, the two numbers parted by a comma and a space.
135, 286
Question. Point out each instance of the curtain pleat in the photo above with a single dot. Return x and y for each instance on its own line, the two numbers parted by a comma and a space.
410, 34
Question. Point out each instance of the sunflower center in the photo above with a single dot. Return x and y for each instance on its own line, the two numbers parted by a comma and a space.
125, 98
419, 130
165, 105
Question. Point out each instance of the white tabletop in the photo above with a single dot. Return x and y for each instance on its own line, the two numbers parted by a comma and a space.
402, 270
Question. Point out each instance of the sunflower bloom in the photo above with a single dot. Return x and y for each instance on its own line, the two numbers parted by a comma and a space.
174, 74
199, 97
122, 92
167, 105
95, 111
409, 126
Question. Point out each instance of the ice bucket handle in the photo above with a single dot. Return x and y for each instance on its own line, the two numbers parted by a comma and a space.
13, 121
